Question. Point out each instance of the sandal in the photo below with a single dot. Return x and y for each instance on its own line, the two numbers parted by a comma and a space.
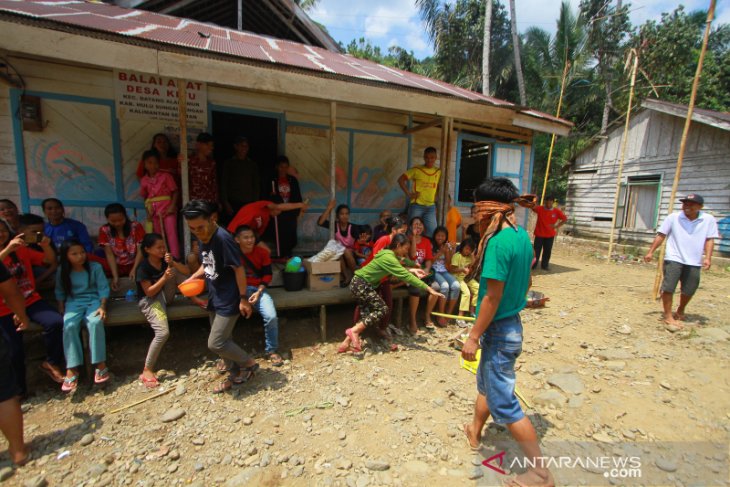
221, 367
149, 383
69, 383
275, 359
355, 344
101, 375
223, 386
245, 375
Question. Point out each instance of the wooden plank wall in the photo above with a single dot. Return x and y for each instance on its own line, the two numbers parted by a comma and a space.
653, 146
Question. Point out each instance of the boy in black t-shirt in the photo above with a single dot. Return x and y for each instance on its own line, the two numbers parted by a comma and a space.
226, 279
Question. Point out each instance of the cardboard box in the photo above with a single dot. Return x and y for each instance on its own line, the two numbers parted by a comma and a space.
322, 275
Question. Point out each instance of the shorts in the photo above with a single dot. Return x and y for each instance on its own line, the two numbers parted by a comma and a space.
8, 382
688, 275
501, 345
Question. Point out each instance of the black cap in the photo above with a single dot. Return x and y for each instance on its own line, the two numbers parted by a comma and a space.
693, 198
240, 140
204, 137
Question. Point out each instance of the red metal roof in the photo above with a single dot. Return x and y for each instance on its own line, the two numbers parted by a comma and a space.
175, 31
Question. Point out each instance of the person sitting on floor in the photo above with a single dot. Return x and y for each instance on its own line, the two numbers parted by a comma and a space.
19, 260
121, 238
257, 262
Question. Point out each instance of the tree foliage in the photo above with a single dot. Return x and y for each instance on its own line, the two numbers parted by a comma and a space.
594, 39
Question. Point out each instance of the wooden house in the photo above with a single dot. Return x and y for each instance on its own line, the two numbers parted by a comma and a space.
652, 149
84, 86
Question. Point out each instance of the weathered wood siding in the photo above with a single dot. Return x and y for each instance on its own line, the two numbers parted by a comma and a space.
652, 150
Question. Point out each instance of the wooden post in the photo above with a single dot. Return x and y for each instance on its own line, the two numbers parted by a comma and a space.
443, 150
552, 139
333, 162
446, 157
182, 106
683, 143
624, 143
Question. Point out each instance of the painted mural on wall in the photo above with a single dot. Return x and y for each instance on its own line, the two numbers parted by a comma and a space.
72, 158
378, 163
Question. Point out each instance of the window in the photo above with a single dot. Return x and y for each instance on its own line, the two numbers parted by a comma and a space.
641, 202
474, 159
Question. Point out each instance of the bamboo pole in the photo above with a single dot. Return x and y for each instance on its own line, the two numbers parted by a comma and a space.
333, 162
182, 107
683, 143
624, 143
552, 139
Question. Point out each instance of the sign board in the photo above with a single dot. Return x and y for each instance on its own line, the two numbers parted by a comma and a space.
150, 97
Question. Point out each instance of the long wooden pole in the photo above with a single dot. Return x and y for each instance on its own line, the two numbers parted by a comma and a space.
445, 173
333, 162
182, 108
683, 143
443, 152
624, 143
552, 139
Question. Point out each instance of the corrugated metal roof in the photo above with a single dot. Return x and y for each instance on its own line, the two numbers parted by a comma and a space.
214, 39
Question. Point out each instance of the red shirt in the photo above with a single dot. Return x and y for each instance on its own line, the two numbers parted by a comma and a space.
124, 249
256, 215
424, 250
546, 218
261, 260
284, 189
22, 270
202, 179
382, 243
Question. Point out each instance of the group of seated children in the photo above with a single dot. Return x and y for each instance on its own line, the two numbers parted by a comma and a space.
58, 254
444, 263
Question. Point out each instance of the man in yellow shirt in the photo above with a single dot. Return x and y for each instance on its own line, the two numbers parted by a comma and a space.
422, 194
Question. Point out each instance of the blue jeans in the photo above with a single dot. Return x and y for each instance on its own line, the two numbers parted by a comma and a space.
427, 214
265, 307
501, 345
446, 284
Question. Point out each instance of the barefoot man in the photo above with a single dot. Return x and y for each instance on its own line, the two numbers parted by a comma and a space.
502, 266
688, 232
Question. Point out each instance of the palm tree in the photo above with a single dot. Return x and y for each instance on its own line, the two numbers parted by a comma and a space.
516, 50
307, 5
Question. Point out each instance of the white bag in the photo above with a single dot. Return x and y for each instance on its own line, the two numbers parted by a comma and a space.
332, 251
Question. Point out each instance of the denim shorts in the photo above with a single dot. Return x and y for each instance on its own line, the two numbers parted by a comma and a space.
501, 345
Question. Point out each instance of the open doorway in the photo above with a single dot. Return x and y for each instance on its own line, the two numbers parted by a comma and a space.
263, 138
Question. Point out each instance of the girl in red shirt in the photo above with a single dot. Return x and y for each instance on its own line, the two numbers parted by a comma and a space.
421, 252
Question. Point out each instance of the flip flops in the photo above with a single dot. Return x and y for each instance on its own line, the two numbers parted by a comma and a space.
149, 383
101, 375
245, 375
69, 383
468, 442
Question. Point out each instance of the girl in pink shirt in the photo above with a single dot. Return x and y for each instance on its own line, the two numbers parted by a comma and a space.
159, 190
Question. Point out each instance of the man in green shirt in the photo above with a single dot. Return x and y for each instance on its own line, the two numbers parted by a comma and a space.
504, 281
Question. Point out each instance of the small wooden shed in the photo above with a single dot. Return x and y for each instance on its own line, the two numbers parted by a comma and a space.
651, 160
86, 85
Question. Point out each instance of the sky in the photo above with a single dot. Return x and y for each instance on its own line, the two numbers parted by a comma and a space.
396, 22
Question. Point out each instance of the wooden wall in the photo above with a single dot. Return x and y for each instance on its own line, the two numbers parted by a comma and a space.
85, 137
653, 146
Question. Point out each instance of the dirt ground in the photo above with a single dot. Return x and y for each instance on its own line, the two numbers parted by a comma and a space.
598, 368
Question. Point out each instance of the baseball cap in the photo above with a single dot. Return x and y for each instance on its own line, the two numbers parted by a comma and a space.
693, 198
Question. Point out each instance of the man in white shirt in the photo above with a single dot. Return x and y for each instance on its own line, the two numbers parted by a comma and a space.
689, 233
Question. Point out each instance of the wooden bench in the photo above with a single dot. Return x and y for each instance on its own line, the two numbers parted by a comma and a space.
123, 313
